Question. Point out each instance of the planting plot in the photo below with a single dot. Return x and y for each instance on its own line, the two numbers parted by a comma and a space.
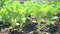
29, 17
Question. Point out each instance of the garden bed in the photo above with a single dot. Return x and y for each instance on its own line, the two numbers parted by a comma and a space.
29, 17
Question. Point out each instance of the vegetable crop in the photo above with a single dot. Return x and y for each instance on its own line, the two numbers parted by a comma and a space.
15, 10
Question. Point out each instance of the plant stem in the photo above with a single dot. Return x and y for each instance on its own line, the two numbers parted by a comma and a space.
12, 22
38, 26
38, 17
21, 25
